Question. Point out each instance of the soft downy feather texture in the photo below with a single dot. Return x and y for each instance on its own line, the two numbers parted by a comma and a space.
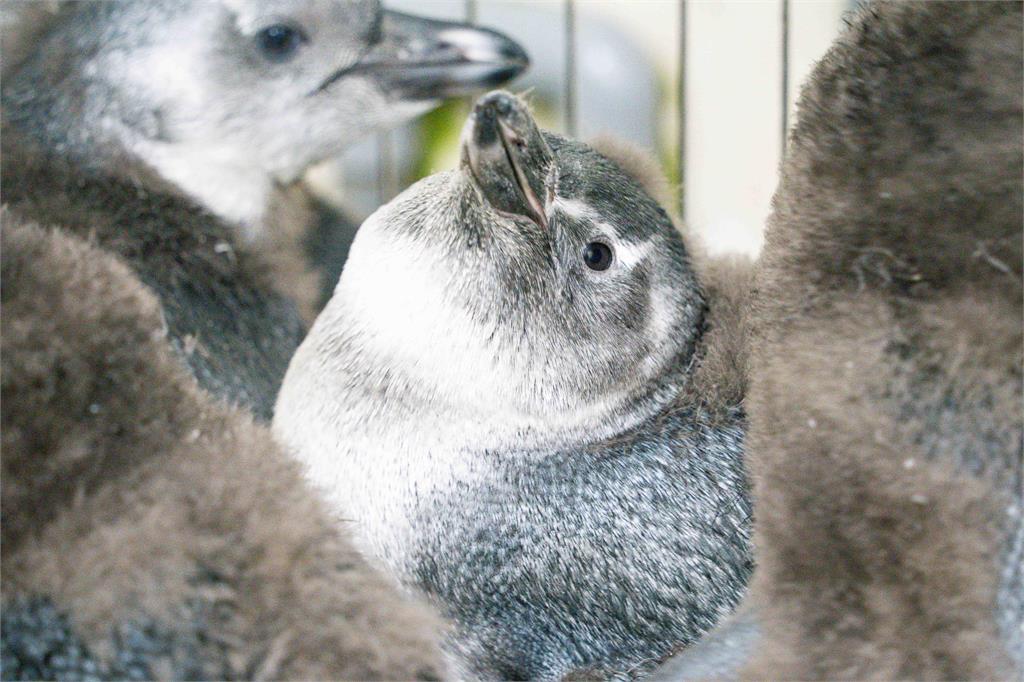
886, 417
719, 381
149, 530
885, 441
22, 22
233, 311
174, 136
553, 457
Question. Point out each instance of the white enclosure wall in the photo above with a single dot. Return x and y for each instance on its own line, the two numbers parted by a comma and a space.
735, 75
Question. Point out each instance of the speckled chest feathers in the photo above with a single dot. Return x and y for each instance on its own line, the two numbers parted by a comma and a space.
502, 401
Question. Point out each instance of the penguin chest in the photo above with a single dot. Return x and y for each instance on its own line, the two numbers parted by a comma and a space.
383, 475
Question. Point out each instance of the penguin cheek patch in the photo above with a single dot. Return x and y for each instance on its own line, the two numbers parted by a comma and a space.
598, 256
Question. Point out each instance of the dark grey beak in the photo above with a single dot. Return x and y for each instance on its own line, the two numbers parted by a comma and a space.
421, 58
507, 156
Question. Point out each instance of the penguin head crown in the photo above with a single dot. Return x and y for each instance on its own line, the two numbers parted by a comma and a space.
538, 278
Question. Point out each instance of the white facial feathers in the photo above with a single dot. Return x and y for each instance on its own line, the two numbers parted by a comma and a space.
627, 253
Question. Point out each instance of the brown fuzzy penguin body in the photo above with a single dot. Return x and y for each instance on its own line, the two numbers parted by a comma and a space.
885, 440
233, 311
176, 541
887, 402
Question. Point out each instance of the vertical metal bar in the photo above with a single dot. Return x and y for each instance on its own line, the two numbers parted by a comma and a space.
570, 68
681, 104
785, 75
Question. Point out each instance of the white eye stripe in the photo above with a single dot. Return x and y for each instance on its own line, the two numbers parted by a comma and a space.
574, 208
627, 254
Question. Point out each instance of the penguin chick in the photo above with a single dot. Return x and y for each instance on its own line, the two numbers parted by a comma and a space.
224, 99
150, 532
886, 432
496, 399
160, 129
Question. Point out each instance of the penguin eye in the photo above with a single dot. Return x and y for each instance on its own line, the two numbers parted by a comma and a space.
598, 256
280, 42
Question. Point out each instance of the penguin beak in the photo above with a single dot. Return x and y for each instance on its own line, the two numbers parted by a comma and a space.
507, 156
424, 59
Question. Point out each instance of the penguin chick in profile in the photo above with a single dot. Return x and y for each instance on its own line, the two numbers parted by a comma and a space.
502, 399
164, 128
226, 99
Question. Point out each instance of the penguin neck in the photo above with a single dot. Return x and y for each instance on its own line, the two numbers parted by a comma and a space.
471, 424
708, 381
693, 390
90, 125
236, 191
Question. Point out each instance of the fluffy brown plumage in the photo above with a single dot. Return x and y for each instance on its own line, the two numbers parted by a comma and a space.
232, 309
134, 502
886, 443
885, 403
21, 25
886, 420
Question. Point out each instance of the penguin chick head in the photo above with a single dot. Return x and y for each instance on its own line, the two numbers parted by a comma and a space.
224, 97
537, 283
